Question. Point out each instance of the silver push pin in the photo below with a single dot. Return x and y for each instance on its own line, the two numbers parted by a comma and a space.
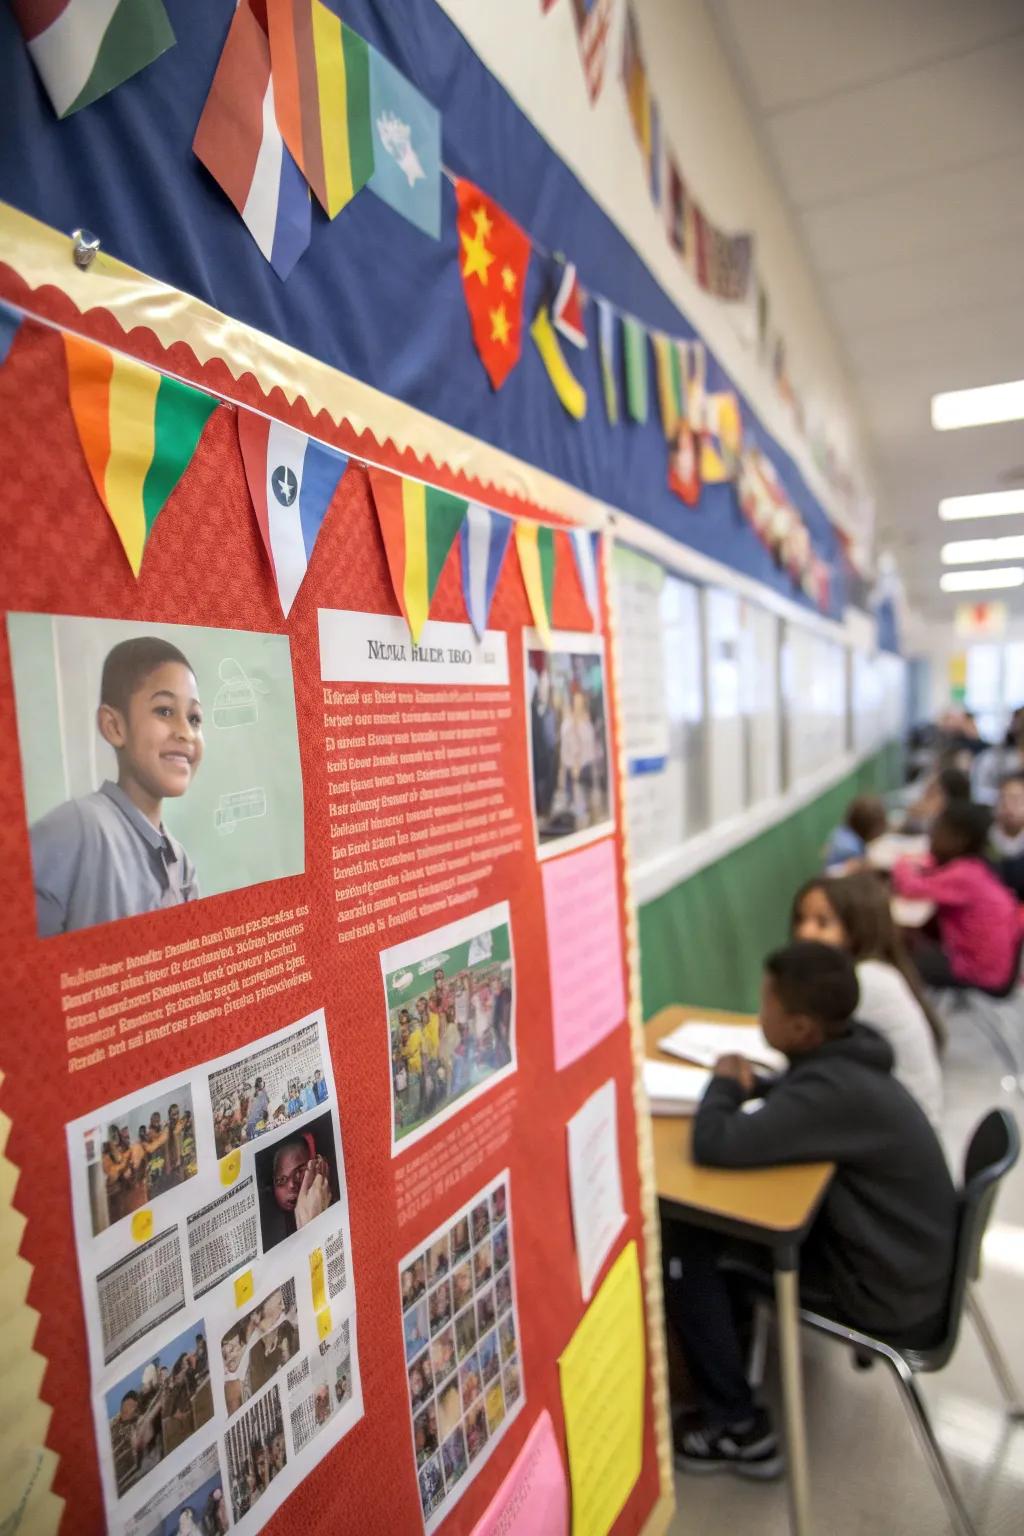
84, 248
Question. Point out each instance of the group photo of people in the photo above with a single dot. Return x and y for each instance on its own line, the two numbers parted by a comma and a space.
257, 1452
568, 740
156, 1408
145, 1152
204, 1512
452, 1025
262, 1105
259, 1345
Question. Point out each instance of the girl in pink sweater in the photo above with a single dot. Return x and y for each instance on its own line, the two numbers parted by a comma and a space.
977, 916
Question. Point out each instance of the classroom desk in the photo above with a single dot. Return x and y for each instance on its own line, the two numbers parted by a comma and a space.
770, 1206
886, 851
911, 912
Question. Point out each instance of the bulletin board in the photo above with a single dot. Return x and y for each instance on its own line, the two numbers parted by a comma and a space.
262, 1266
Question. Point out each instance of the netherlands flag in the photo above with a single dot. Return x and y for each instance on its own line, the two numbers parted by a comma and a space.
240, 144
292, 480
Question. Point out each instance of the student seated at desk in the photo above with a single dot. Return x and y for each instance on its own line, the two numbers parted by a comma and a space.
948, 785
1007, 836
853, 914
865, 820
880, 1253
977, 916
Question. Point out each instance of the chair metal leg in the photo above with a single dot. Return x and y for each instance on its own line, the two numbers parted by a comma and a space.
941, 1474
996, 1359
986, 1015
757, 1359
915, 1404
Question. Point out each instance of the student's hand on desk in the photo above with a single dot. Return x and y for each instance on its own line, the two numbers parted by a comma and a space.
739, 1069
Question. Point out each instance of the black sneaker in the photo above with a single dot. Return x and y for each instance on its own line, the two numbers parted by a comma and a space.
750, 1449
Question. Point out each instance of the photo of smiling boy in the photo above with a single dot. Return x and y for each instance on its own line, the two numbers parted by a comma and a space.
108, 855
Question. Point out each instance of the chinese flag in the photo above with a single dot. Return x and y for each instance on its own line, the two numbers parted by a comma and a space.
493, 256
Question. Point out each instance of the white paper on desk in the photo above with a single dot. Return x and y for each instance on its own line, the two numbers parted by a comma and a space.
595, 1182
674, 1090
703, 1041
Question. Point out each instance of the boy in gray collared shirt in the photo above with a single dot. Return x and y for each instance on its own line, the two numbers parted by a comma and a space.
108, 854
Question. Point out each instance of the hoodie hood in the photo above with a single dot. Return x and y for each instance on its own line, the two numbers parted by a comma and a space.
860, 1044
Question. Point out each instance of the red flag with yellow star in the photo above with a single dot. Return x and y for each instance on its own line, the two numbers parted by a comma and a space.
493, 256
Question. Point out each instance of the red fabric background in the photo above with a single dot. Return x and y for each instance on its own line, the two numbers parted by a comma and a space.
204, 564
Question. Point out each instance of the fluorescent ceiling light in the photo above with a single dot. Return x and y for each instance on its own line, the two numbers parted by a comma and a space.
986, 504
978, 407
972, 551
982, 581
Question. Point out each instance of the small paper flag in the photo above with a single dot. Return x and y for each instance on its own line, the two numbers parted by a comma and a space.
609, 371
138, 432
634, 346
535, 546
565, 384
582, 541
10, 325
419, 524
292, 480
484, 542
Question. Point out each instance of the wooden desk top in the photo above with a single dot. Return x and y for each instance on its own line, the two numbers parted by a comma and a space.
772, 1203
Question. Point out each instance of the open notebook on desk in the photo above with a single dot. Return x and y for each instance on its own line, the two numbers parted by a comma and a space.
674, 1090
703, 1041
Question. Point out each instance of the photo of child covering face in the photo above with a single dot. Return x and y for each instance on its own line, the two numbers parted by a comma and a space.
138, 764
259, 1345
297, 1180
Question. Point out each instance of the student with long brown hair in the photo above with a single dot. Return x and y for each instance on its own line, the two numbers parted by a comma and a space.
852, 913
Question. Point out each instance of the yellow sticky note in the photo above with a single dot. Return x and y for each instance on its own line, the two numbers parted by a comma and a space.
316, 1279
142, 1225
243, 1289
602, 1380
231, 1166
323, 1323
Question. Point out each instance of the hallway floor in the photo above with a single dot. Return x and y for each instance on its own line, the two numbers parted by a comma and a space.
868, 1476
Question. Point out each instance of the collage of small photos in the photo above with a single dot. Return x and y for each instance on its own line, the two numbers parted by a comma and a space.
461, 1328
212, 1229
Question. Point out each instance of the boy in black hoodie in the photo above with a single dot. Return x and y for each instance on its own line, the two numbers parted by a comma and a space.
880, 1253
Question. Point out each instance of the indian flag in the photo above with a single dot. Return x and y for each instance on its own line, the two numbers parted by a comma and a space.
84, 48
535, 546
138, 431
419, 524
321, 71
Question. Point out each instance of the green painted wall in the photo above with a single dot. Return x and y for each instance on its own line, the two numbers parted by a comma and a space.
703, 941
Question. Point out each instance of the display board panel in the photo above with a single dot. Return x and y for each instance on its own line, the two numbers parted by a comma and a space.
238, 848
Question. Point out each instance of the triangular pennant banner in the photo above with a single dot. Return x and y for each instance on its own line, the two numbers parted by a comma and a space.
582, 541
138, 431
568, 306
634, 346
609, 370
292, 480
321, 74
493, 257
10, 325
419, 524
240, 144
564, 382
535, 546
484, 542
670, 383
82, 51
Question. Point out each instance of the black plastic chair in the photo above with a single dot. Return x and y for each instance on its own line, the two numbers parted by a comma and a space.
994, 1149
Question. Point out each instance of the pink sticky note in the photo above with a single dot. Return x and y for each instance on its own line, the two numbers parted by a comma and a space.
581, 904
534, 1497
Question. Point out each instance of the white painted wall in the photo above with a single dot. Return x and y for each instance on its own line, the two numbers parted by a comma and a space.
535, 57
